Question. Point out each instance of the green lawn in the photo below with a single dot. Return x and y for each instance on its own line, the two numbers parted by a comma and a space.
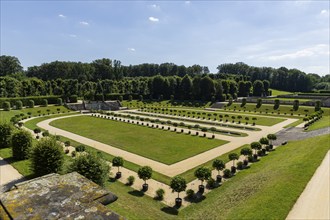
290, 99
279, 92
161, 145
322, 123
7, 115
267, 190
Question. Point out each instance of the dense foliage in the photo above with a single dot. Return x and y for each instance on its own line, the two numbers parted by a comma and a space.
91, 167
108, 79
21, 142
47, 157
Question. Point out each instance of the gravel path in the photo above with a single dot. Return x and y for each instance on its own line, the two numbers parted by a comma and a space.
314, 202
173, 169
9, 176
294, 133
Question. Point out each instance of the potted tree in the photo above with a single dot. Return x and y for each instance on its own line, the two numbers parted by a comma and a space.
118, 162
202, 173
218, 165
255, 146
263, 141
233, 157
246, 152
145, 173
37, 131
178, 184
271, 137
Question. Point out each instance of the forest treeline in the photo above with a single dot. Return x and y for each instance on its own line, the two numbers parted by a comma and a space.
104, 76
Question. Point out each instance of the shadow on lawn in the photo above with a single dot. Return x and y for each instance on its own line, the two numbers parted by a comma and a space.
136, 193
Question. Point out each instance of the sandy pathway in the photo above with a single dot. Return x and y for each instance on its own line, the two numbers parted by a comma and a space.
8, 175
314, 202
169, 170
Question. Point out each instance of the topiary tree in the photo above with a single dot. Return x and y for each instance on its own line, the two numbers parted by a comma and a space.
44, 102
263, 141
218, 165
255, 146
6, 130
145, 173
317, 106
19, 104
6, 106
295, 105
178, 184
31, 103
276, 104
271, 137
90, 166
59, 101
246, 152
202, 173
37, 131
118, 162
21, 142
46, 157
233, 157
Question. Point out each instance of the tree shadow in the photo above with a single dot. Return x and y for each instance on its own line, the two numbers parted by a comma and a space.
136, 193
170, 210
197, 198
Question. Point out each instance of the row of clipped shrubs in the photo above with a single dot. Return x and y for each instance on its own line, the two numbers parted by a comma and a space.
38, 100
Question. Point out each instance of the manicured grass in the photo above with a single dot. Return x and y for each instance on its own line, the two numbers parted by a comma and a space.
269, 188
32, 124
290, 99
215, 115
23, 166
7, 115
160, 145
279, 92
189, 174
322, 123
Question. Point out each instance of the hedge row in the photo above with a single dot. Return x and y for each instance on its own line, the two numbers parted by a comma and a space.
38, 100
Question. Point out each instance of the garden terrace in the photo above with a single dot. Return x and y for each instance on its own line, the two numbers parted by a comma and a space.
188, 124
163, 146
237, 118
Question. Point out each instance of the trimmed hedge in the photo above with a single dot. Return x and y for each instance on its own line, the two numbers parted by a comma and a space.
38, 100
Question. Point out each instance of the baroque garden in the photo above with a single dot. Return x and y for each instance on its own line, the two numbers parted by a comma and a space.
191, 146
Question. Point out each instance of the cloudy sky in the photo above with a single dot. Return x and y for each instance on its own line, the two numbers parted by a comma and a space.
294, 34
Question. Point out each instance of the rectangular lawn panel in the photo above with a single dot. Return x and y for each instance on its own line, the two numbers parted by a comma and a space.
161, 145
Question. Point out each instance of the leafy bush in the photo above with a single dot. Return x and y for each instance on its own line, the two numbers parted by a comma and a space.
19, 104
21, 142
45, 133
6, 106
227, 173
44, 102
130, 180
211, 183
31, 104
90, 166
160, 194
6, 130
59, 101
46, 157
80, 148
240, 165
190, 194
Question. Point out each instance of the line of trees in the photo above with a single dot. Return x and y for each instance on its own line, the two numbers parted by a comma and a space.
157, 87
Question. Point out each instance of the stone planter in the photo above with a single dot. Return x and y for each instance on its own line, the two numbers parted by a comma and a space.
145, 187
178, 202
245, 162
201, 189
118, 175
233, 169
219, 178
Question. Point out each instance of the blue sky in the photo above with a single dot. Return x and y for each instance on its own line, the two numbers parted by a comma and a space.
294, 34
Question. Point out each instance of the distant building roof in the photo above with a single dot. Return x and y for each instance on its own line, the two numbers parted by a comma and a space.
69, 196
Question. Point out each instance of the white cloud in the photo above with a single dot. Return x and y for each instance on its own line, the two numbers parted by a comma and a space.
84, 23
131, 49
72, 35
324, 12
317, 50
153, 19
61, 16
187, 2
155, 7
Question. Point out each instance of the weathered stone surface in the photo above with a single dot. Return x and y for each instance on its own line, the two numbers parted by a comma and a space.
69, 196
